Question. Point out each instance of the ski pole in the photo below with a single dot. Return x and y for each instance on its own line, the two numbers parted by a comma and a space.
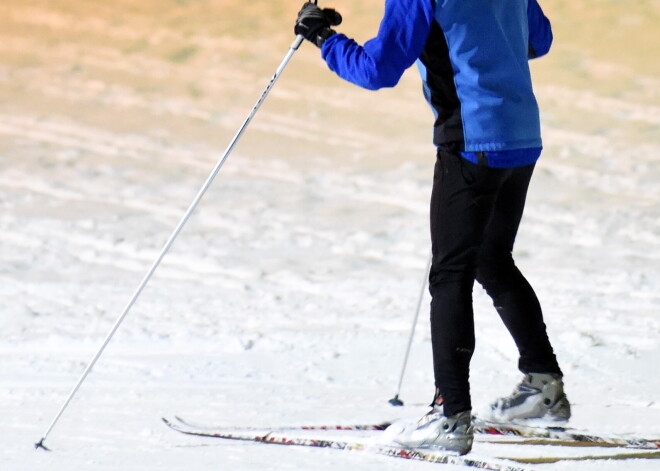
292, 49
395, 401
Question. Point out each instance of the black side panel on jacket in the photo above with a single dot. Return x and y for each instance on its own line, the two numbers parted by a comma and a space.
440, 82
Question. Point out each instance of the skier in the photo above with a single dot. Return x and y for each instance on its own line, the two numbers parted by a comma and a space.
473, 59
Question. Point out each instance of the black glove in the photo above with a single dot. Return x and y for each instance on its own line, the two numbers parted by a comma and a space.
314, 23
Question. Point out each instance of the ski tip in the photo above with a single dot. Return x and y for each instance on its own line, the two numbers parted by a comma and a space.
167, 421
172, 424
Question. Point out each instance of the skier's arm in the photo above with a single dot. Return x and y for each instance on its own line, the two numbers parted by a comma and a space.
382, 60
540, 32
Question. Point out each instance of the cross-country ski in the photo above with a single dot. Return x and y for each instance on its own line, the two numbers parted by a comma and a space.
485, 431
295, 437
282, 438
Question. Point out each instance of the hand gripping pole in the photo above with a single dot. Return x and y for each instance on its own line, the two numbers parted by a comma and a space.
292, 49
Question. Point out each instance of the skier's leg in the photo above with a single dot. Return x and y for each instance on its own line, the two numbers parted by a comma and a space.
540, 395
512, 295
461, 206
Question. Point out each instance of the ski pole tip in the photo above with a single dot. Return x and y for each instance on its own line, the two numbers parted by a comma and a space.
395, 401
40, 445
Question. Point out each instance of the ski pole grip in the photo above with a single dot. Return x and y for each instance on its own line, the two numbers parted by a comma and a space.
297, 42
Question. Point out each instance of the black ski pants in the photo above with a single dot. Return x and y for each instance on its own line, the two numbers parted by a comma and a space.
475, 214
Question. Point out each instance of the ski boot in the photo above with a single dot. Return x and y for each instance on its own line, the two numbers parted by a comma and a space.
435, 430
538, 399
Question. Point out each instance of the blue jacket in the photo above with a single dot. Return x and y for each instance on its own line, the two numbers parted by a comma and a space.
473, 59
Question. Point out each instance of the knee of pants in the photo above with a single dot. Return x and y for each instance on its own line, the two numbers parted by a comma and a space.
457, 275
494, 272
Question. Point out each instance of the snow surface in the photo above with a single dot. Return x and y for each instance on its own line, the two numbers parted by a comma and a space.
289, 296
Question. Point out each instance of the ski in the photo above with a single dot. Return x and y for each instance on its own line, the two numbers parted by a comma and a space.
337, 427
484, 431
563, 436
280, 438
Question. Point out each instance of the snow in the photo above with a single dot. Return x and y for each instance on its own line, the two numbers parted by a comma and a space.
289, 296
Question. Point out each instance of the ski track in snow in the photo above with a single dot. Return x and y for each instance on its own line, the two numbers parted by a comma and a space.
288, 297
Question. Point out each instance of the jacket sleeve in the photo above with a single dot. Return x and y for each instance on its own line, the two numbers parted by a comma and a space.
540, 32
382, 60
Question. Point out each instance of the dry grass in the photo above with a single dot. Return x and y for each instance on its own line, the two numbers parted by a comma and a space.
192, 69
